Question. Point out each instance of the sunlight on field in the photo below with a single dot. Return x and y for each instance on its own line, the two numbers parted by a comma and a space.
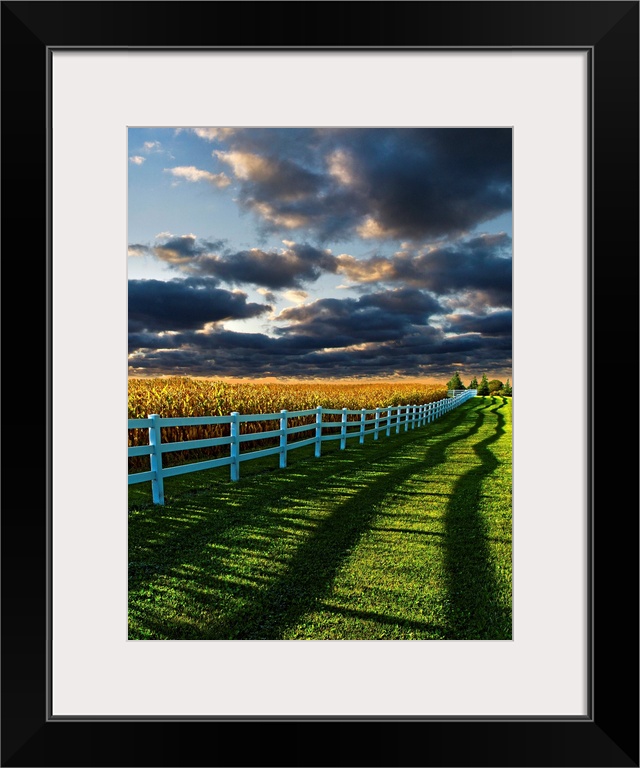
184, 397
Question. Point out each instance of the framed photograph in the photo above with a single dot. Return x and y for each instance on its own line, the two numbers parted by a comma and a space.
106, 89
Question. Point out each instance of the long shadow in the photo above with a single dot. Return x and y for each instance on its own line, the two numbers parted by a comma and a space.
475, 610
274, 603
314, 566
163, 537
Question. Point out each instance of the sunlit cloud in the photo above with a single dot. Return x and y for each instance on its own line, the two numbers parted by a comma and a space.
296, 297
340, 165
282, 219
371, 229
138, 250
248, 166
213, 134
193, 174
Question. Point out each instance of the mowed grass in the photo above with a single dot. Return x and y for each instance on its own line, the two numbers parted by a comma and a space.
407, 537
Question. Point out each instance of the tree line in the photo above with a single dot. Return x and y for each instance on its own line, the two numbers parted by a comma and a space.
485, 387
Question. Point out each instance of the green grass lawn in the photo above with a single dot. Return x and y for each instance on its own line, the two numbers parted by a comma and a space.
407, 537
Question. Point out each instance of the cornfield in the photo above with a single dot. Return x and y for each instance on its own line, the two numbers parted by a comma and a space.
183, 397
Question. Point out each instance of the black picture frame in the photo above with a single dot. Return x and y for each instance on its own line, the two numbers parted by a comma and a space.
608, 736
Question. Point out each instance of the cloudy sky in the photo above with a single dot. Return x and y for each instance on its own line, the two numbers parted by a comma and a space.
301, 253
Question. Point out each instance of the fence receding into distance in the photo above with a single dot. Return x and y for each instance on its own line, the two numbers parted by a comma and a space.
368, 421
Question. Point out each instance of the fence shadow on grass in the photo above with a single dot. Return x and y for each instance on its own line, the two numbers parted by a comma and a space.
201, 575
475, 609
313, 567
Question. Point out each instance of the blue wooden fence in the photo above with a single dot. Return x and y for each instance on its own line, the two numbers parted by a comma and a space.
397, 418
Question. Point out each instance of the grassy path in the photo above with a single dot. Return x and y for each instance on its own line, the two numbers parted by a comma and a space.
407, 537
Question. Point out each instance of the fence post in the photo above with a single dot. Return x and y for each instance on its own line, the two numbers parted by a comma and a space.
377, 427
343, 429
399, 408
155, 438
389, 414
235, 446
283, 439
362, 418
318, 431
406, 417
414, 409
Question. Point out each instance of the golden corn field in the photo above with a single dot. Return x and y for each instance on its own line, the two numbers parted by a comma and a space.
183, 397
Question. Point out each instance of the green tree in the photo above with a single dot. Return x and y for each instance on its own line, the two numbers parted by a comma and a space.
455, 382
473, 384
483, 388
494, 386
507, 389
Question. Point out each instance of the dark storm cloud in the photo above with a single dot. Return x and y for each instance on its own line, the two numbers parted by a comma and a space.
381, 334
276, 176
219, 352
492, 324
291, 267
409, 184
421, 352
184, 249
176, 250
373, 317
175, 305
479, 264
150, 340
325, 324
435, 182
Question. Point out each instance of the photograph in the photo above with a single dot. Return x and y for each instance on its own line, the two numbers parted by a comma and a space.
314, 248
346, 292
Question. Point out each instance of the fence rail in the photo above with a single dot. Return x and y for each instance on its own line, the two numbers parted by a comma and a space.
371, 421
